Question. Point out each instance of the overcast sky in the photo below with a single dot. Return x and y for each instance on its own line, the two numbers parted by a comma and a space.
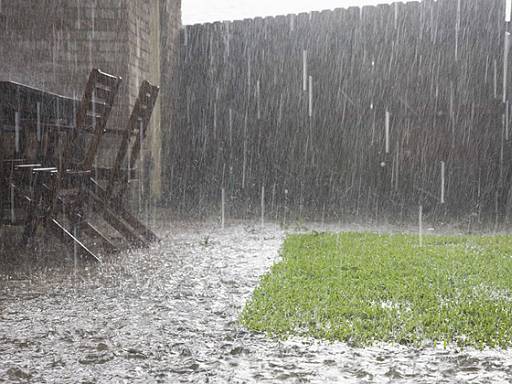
202, 11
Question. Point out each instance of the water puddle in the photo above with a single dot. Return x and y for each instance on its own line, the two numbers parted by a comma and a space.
169, 315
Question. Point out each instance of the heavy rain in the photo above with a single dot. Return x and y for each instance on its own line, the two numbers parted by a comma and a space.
159, 158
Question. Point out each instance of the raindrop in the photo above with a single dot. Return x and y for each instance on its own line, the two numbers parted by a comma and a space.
396, 15
227, 37
141, 165
78, 23
245, 151
310, 109
38, 123
248, 71
505, 65
262, 207
223, 205
215, 119
128, 160
388, 116
285, 206
258, 105
457, 28
13, 213
507, 106
304, 70
75, 247
230, 127
17, 133
397, 159
442, 181
495, 79
420, 225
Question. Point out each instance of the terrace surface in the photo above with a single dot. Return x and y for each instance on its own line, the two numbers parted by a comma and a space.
170, 314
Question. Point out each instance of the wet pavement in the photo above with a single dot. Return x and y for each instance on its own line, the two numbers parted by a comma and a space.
169, 314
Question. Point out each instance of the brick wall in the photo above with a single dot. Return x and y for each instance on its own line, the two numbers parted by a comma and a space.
53, 44
169, 62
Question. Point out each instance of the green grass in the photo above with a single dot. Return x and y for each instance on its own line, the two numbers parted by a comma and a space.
364, 287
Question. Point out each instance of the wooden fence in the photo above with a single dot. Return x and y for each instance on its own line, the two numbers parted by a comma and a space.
347, 113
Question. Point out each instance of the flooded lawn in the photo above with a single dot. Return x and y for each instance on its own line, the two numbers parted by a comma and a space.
170, 314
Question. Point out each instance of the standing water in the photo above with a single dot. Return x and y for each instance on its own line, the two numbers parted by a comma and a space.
171, 315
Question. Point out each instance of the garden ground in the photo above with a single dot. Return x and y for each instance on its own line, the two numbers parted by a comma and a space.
171, 314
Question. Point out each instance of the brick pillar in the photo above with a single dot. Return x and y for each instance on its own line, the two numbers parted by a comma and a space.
53, 45
155, 136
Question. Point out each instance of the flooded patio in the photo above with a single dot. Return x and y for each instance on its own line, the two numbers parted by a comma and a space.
170, 313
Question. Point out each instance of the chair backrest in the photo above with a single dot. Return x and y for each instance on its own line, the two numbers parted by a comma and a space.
91, 120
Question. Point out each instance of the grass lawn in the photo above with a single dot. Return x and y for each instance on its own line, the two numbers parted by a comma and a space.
364, 287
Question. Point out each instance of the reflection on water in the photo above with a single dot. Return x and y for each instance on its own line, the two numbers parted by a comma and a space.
169, 314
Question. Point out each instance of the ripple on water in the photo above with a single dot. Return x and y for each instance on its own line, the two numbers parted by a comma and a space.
169, 314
